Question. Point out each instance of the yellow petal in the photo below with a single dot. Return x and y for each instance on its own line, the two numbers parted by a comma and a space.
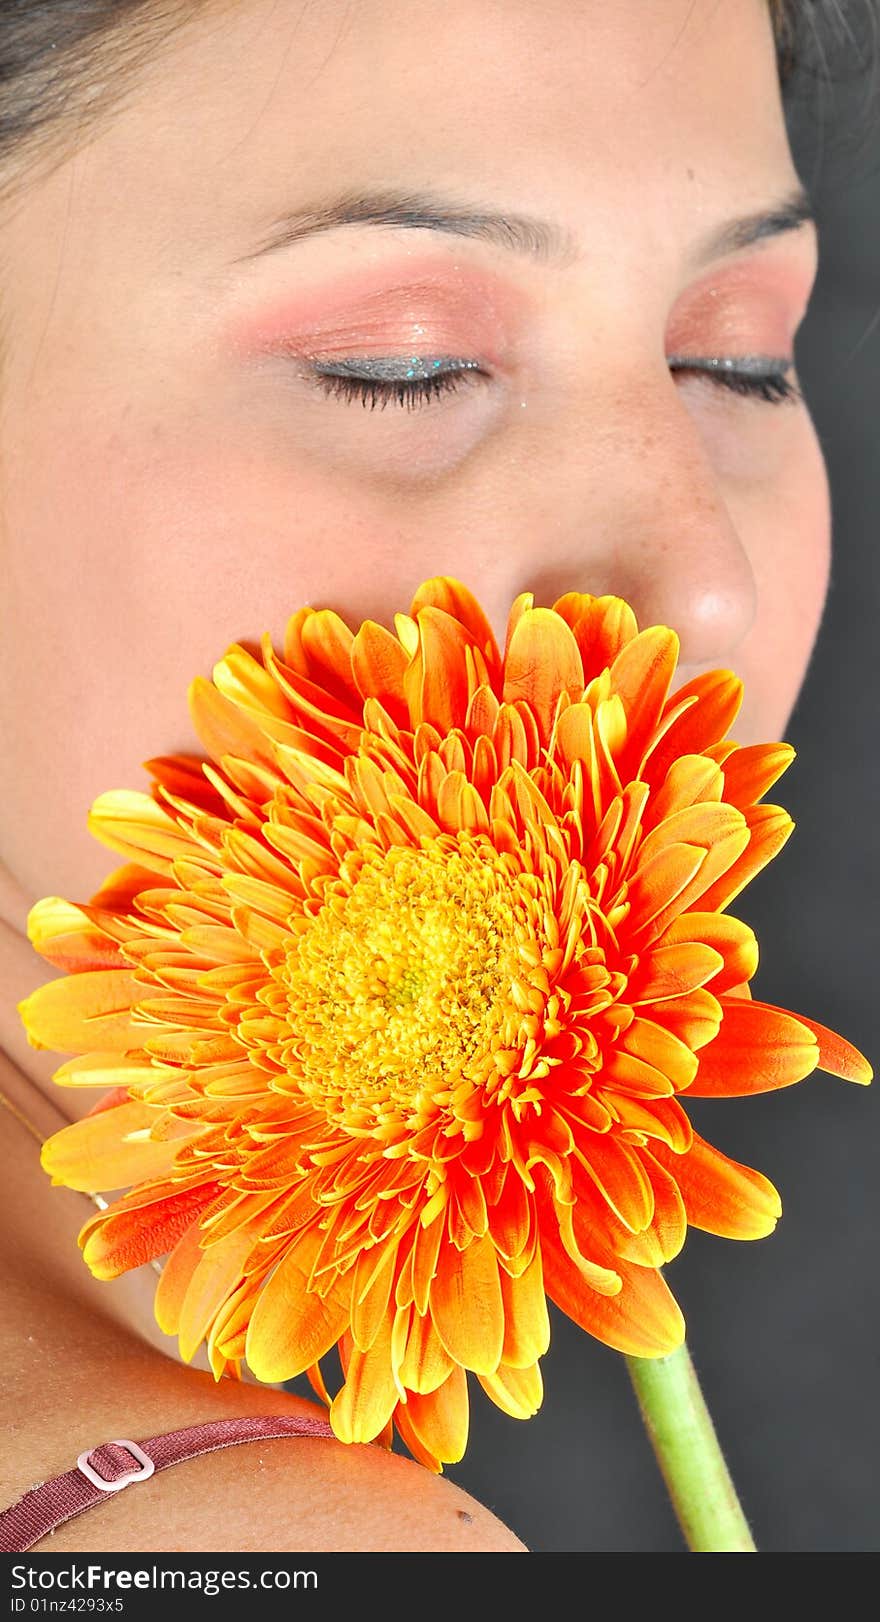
219, 1271
371, 1290
85, 1011
426, 1363
135, 825
93, 1153
112, 1070
518, 1392
292, 1326
64, 935
175, 1278
369, 1397
467, 1306
526, 1324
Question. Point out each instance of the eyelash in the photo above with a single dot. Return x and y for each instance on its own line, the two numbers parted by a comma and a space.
770, 387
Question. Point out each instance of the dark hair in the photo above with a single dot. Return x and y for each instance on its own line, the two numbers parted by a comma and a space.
809, 33
65, 64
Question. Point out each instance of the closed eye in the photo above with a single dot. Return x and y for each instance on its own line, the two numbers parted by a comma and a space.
411, 381
759, 376
415, 381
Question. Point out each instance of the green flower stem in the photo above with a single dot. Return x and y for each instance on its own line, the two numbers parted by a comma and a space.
692, 1464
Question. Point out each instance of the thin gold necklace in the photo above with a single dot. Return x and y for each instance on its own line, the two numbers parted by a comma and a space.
34, 1131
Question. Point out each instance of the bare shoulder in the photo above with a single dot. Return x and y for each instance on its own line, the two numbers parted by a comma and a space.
307, 1494
303, 1493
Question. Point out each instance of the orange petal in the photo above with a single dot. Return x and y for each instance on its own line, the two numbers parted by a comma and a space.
93, 1153
769, 828
723, 833
327, 643
186, 778
617, 1171
658, 881
84, 1011
694, 1019
292, 1326
420, 1454
691, 780
442, 591
224, 728
378, 662
440, 1418
719, 1194
118, 890
128, 1234
624, 1072
642, 1320
542, 661
642, 674
719, 694
601, 626
660, 1048
750, 771
757, 1049
435, 682
661, 1118
467, 1306
662, 1240
730, 936
672, 971
837, 1056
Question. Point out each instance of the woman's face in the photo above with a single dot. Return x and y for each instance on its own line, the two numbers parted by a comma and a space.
182, 468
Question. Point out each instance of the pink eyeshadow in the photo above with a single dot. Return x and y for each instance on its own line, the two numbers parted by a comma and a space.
445, 308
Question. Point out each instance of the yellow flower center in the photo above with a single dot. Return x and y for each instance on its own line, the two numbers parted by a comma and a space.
400, 986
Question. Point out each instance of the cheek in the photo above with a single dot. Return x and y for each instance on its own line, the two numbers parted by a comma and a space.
134, 560
785, 526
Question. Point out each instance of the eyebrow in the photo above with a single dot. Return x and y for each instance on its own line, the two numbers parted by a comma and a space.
521, 234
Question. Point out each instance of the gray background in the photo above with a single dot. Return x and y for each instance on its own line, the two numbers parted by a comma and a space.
784, 1332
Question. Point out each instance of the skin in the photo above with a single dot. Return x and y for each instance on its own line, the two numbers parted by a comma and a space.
146, 376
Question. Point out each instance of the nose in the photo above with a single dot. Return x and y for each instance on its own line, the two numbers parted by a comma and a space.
633, 506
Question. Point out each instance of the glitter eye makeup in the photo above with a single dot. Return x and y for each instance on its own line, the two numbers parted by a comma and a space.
410, 381
760, 377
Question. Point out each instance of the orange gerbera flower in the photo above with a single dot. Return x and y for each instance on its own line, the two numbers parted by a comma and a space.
400, 997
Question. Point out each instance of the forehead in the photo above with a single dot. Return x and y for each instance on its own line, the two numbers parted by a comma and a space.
555, 106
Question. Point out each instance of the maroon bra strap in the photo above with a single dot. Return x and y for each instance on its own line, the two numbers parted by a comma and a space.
111, 1466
